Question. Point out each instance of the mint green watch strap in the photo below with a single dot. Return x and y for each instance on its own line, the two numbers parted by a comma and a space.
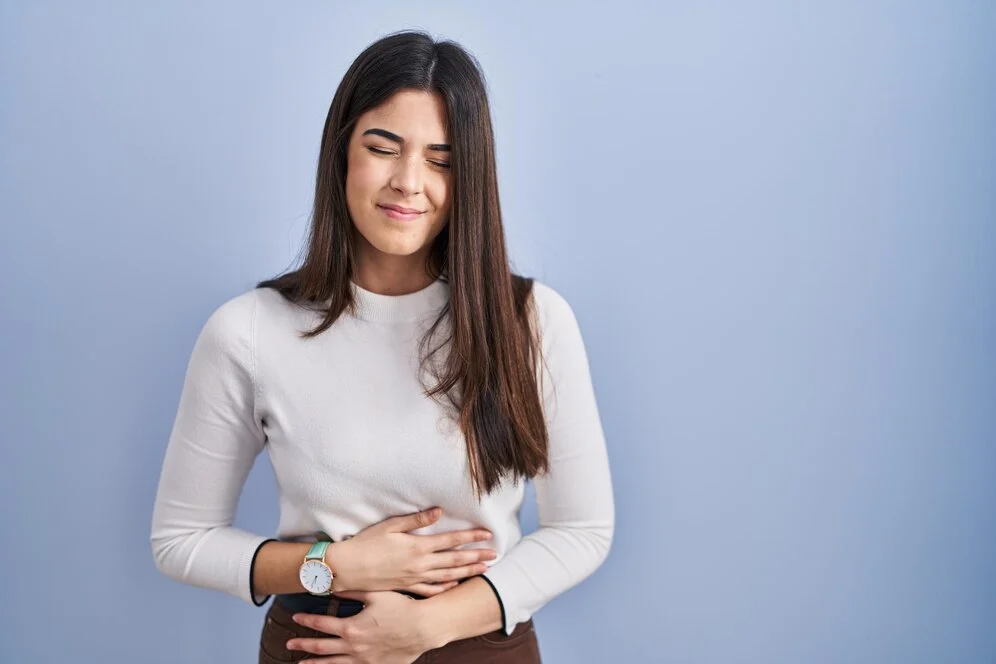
317, 551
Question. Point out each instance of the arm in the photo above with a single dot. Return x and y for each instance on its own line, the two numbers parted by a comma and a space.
470, 609
574, 500
215, 440
275, 570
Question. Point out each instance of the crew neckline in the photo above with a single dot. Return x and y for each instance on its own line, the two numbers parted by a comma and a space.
399, 308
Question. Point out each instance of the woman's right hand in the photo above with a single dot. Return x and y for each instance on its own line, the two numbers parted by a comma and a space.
385, 556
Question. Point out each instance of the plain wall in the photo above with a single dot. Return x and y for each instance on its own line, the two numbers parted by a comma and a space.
774, 221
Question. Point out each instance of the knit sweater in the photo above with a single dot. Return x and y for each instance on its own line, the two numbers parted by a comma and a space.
353, 440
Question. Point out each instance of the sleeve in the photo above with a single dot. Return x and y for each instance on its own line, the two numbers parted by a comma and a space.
574, 499
214, 442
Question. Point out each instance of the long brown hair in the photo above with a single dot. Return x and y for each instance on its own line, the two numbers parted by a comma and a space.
490, 373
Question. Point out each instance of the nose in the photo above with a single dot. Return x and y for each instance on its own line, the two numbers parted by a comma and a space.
407, 175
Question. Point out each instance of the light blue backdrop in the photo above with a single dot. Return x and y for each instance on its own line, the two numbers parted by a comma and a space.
775, 222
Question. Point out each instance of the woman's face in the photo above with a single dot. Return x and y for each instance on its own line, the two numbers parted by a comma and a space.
399, 158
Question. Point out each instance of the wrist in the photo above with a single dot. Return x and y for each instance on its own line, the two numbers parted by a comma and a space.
431, 625
337, 557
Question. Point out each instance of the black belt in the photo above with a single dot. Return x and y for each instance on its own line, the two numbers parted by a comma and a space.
308, 603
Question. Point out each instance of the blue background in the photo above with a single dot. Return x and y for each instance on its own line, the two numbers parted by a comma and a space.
776, 223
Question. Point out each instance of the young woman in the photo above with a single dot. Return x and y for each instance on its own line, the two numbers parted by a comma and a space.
402, 367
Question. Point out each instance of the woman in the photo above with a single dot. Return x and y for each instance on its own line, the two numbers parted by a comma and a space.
402, 367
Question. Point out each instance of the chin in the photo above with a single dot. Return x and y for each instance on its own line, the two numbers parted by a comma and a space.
394, 248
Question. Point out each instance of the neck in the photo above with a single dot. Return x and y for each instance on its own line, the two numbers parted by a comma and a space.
388, 283
409, 305
388, 274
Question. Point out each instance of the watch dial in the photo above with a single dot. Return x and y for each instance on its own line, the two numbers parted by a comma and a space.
315, 577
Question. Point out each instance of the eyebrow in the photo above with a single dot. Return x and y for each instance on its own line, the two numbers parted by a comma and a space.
391, 136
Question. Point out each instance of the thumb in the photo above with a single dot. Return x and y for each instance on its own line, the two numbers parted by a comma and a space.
403, 524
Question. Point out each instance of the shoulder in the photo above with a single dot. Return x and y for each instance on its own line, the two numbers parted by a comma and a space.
233, 316
230, 327
552, 309
243, 311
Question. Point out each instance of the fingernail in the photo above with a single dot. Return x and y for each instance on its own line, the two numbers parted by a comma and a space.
291, 645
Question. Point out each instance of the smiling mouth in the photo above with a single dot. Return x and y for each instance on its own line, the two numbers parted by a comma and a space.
394, 213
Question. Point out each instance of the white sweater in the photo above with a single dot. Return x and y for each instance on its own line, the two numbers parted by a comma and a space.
354, 440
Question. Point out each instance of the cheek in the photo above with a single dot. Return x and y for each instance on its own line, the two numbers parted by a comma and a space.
441, 196
362, 180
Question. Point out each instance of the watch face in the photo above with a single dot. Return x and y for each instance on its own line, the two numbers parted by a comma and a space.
316, 577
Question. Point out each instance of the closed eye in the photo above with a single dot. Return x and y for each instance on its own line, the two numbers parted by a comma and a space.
441, 164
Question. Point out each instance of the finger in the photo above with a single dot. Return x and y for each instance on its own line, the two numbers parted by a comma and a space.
335, 659
452, 573
432, 589
407, 522
459, 558
443, 541
327, 624
320, 646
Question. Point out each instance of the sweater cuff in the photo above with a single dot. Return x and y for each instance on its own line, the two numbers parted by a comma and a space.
252, 569
501, 604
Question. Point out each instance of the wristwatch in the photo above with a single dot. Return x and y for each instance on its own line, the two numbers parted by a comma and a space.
316, 576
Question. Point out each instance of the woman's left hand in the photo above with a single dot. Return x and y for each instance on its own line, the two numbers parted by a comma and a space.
389, 630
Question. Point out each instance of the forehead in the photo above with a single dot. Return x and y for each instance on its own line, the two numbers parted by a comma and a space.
409, 113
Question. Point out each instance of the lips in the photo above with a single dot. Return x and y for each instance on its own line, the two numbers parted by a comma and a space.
401, 209
400, 213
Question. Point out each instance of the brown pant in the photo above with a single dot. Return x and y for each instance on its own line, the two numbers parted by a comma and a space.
520, 647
